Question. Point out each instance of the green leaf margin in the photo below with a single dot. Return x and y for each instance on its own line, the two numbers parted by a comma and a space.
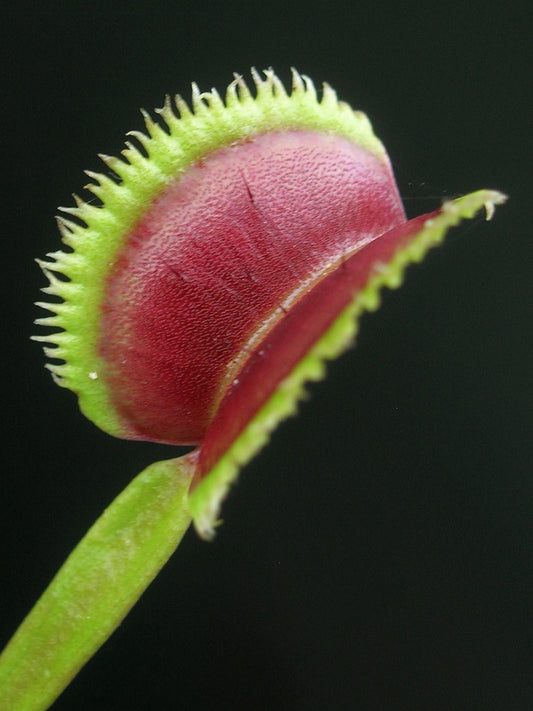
205, 501
97, 232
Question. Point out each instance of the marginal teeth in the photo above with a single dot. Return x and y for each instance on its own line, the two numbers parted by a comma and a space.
197, 103
167, 114
131, 152
52, 351
66, 227
150, 124
243, 90
143, 139
57, 370
231, 94
495, 198
214, 99
82, 211
329, 96
57, 257
71, 210
98, 177
70, 231
48, 321
257, 79
310, 88
101, 184
183, 107
45, 266
114, 163
275, 82
49, 307
297, 83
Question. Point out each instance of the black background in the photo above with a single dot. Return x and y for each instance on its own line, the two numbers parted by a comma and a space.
377, 555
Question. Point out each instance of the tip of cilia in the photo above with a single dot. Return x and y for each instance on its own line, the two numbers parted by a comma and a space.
494, 197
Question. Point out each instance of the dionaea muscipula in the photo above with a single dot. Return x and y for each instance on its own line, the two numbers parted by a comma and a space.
228, 256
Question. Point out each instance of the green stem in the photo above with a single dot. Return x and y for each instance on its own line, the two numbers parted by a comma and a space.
97, 586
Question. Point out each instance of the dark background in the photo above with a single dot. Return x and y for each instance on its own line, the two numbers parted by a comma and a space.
377, 555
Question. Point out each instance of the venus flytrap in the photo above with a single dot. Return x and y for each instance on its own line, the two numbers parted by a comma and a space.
219, 274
